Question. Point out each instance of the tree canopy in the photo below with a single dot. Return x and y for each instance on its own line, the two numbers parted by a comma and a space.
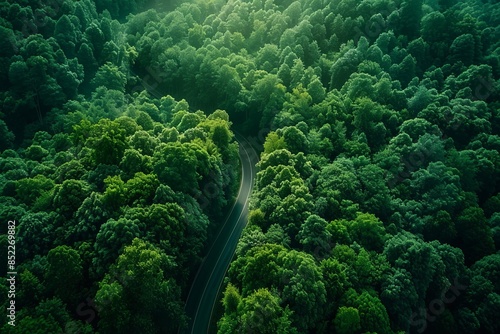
376, 200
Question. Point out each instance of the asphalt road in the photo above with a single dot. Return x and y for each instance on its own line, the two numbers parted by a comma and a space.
203, 294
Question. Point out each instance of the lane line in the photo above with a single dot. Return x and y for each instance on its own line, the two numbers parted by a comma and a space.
215, 241
236, 225
245, 164
218, 259
225, 244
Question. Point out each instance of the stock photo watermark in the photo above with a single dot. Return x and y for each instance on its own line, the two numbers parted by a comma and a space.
49, 8
436, 307
88, 310
11, 273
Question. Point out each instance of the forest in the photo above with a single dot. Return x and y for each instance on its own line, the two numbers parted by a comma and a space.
376, 206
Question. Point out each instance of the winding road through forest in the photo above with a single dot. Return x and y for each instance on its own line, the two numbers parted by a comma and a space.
207, 283
202, 296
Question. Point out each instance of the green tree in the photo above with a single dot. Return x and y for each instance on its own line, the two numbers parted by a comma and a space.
89, 217
86, 58
72, 169
261, 313
232, 299
433, 27
487, 272
486, 313
295, 140
251, 237
113, 237
347, 320
316, 90
31, 290
303, 289
110, 76
134, 162
8, 39
336, 183
437, 186
176, 165
139, 295
196, 35
372, 313
68, 196
66, 35
406, 251
276, 235
314, 236
445, 4
28, 190
273, 142
36, 153
400, 297
335, 278
107, 140
64, 273
368, 231
37, 232
344, 67
474, 235
141, 188
6, 136
409, 17
462, 49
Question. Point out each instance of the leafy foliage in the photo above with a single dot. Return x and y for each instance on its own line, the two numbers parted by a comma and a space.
376, 192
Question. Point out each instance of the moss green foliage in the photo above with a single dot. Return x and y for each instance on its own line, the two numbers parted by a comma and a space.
376, 203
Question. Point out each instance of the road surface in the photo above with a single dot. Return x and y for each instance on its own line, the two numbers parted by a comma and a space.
204, 290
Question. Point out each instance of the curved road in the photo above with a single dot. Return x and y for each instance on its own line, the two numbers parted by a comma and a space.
207, 283
205, 288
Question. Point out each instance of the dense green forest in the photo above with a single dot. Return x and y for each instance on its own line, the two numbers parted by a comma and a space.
376, 206
115, 192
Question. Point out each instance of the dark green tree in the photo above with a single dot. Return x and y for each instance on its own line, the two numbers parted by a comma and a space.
64, 274
474, 235
138, 294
